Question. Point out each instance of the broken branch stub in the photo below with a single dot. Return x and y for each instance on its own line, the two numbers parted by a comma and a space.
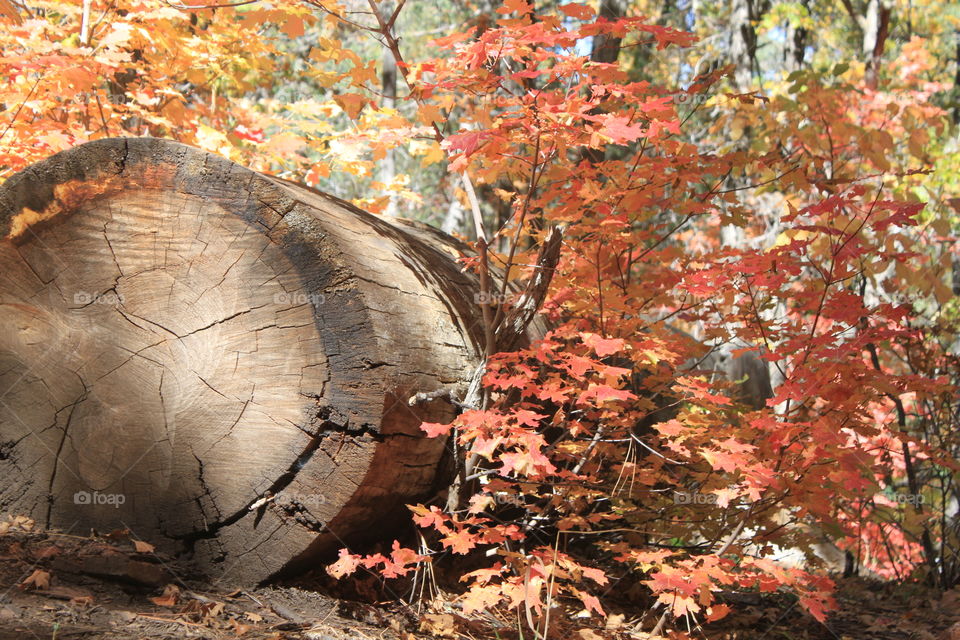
216, 359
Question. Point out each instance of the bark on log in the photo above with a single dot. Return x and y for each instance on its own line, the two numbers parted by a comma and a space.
216, 359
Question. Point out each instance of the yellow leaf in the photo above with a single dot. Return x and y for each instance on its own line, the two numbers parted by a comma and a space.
373, 205
434, 155
430, 152
143, 547
363, 73
736, 128
326, 78
196, 75
790, 235
430, 113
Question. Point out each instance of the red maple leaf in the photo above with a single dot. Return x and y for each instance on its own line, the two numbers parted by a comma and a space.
459, 541
590, 602
722, 460
346, 564
398, 564
600, 393
435, 429
619, 129
426, 519
466, 143
603, 346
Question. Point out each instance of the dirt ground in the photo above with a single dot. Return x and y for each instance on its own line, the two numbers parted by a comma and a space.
60, 587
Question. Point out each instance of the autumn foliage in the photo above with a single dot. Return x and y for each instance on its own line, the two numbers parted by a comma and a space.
793, 229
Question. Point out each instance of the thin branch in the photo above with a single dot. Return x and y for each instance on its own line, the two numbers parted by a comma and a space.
396, 13
199, 7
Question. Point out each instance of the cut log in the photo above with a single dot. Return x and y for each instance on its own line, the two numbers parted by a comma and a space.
219, 360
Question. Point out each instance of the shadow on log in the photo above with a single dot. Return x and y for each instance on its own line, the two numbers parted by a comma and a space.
216, 359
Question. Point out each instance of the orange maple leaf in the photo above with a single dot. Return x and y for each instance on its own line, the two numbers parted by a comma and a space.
459, 541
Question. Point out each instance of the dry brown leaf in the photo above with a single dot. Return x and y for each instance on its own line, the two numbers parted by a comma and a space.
438, 624
252, 617
82, 601
143, 547
239, 628
203, 611
170, 597
39, 580
212, 610
589, 634
118, 534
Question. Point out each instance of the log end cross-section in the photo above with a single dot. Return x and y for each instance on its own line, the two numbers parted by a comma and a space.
216, 359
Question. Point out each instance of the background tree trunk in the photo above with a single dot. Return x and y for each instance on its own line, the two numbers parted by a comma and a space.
387, 167
218, 360
873, 23
796, 42
744, 15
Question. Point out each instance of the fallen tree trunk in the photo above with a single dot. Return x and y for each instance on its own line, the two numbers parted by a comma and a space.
218, 360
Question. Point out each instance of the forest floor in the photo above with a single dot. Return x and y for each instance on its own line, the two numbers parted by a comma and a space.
59, 587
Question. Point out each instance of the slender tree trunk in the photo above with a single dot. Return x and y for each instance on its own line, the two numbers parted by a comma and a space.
455, 218
606, 48
387, 168
795, 51
744, 14
876, 28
